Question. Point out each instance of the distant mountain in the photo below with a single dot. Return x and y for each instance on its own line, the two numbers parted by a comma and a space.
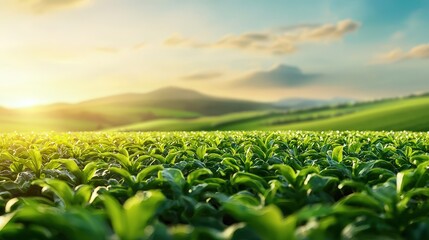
162, 94
305, 103
178, 99
175, 93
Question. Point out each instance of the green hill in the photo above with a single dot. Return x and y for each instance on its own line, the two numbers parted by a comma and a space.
402, 114
395, 114
203, 123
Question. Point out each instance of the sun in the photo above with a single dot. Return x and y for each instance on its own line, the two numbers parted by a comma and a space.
24, 103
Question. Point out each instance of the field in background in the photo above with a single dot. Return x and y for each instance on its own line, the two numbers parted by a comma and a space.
174, 109
398, 114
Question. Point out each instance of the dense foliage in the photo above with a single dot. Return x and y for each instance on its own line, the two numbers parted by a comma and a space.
215, 185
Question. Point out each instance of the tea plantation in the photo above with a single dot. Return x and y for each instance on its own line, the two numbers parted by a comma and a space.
215, 185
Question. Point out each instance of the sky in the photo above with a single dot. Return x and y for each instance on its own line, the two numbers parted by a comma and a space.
74, 50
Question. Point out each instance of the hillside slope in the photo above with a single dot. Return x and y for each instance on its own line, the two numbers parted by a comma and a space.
398, 114
402, 114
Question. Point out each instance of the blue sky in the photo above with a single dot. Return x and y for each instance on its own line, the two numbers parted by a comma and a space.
72, 50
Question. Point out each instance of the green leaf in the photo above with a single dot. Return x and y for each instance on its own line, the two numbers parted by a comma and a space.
362, 200
173, 176
268, 221
116, 214
130, 179
89, 172
142, 175
83, 195
139, 210
171, 157
250, 180
410, 194
195, 175
231, 162
356, 186
60, 188
201, 152
408, 151
337, 153
286, 171
123, 158
35, 162
130, 222
72, 166
159, 157
355, 148
246, 198
258, 151
68, 224
316, 183
418, 159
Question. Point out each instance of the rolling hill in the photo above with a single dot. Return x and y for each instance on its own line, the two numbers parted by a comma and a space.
182, 109
402, 114
393, 114
307, 103
119, 110
177, 99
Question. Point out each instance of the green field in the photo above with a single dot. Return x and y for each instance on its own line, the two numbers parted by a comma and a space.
203, 123
398, 114
281, 185
409, 114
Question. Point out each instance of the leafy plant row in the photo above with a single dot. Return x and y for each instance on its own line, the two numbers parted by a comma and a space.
215, 185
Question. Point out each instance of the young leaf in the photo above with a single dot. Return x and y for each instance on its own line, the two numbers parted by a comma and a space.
337, 153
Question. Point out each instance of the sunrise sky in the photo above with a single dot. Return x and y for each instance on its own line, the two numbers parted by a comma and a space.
73, 50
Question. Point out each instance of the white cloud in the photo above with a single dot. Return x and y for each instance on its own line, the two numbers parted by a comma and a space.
396, 55
202, 76
45, 6
273, 42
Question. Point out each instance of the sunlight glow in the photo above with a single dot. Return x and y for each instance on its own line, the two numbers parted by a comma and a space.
23, 103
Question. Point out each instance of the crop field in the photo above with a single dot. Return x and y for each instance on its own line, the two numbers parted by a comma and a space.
215, 185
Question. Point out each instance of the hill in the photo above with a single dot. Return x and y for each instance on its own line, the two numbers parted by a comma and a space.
302, 103
178, 99
401, 114
392, 114
183, 109
118, 110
